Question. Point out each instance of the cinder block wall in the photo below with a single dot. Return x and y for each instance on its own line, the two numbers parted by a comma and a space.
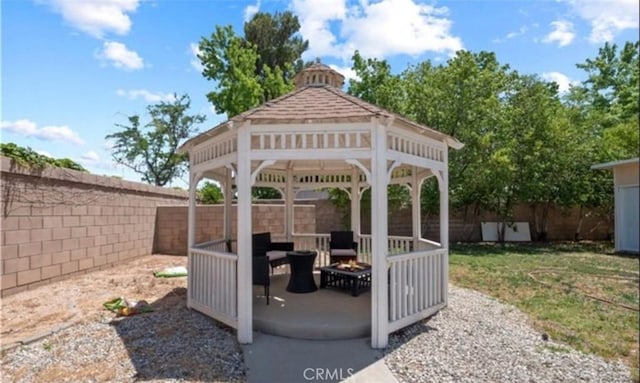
171, 237
60, 222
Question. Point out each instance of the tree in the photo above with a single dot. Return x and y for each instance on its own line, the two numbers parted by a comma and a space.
29, 157
277, 45
151, 150
376, 84
265, 193
210, 193
612, 83
254, 69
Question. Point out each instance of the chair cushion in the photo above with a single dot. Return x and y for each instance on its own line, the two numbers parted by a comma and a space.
346, 252
276, 254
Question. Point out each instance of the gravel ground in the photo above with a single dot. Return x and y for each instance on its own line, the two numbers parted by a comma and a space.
475, 339
478, 339
163, 346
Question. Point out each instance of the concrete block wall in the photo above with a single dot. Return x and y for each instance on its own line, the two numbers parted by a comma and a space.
60, 222
172, 222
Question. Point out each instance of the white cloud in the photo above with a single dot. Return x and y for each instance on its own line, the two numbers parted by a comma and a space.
90, 156
44, 153
383, 28
607, 17
251, 10
347, 72
511, 35
564, 82
562, 33
315, 16
195, 61
146, 95
29, 128
97, 17
120, 56
91, 159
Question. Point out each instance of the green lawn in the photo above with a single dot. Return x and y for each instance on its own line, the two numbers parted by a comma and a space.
579, 294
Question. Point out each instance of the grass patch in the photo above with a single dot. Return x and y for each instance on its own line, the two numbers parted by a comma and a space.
579, 293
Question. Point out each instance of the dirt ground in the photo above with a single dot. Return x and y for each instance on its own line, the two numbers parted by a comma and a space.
33, 313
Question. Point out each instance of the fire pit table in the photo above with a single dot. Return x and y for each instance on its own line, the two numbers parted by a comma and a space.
355, 277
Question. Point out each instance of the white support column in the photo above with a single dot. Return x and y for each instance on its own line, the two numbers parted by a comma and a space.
228, 201
355, 203
415, 207
288, 206
379, 238
244, 229
444, 224
191, 225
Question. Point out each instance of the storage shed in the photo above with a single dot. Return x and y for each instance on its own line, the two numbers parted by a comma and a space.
627, 206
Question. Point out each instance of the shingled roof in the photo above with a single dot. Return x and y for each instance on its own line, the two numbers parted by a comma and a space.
318, 102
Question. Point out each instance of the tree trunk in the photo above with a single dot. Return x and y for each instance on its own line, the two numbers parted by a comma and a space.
576, 235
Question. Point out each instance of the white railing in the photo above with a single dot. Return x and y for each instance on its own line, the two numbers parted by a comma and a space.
212, 282
215, 150
318, 242
219, 245
417, 286
309, 139
412, 147
395, 245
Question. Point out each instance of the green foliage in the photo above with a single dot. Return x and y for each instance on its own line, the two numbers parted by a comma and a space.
28, 157
151, 150
524, 143
210, 193
277, 45
257, 68
231, 62
265, 193
612, 83
376, 84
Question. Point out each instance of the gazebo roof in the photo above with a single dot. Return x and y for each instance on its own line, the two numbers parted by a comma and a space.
316, 103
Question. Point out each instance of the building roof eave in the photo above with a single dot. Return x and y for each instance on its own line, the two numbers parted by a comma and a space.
612, 164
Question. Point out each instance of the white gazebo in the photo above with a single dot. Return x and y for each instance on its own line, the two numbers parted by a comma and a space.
320, 137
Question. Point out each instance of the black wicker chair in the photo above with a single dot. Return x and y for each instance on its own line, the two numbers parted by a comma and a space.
260, 265
342, 247
276, 252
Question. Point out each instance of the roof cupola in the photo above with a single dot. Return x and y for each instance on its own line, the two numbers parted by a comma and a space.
318, 74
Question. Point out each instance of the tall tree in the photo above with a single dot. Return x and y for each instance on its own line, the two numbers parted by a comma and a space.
463, 99
229, 61
150, 150
252, 69
613, 80
277, 43
376, 84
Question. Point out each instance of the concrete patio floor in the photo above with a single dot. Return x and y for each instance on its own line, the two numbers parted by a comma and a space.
326, 314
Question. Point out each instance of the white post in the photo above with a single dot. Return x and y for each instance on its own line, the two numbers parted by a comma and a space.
244, 229
379, 287
415, 207
191, 227
444, 224
228, 201
355, 203
288, 206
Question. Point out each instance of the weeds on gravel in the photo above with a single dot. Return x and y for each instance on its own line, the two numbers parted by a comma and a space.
578, 293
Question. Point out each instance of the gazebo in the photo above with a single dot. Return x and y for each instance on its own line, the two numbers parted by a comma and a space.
314, 137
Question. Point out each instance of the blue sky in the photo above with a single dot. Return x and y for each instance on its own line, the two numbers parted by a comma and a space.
72, 69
